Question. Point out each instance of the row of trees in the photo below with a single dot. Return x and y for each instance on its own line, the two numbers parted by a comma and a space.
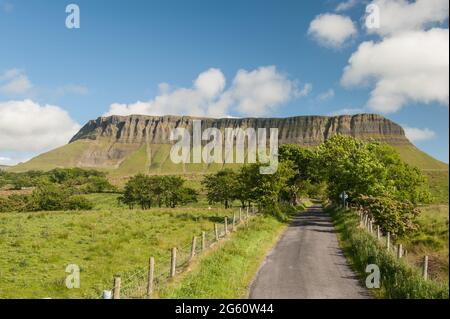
371, 173
147, 191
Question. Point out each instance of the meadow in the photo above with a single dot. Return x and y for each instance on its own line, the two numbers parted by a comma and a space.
432, 240
37, 247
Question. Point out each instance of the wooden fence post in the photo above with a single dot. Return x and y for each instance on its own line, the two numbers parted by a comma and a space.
203, 240
399, 251
151, 271
116, 292
388, 241
234, 222
194, 242
425, 268
173, 262
247, 213
240, 215
378, 232
216, 232
225, 227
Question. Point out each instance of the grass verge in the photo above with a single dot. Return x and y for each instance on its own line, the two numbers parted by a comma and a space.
227, 272
398, 279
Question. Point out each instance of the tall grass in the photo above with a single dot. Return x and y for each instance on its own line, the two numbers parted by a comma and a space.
399, 280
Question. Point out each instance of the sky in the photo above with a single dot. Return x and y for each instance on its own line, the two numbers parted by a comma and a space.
220, 58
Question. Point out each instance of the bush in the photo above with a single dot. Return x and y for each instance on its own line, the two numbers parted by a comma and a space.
78, 202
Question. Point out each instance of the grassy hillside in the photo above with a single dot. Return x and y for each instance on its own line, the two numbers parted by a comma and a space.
413, 156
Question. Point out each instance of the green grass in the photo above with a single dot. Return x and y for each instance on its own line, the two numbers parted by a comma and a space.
398, 278
228, 271
413, 156
431, 239
37, 247
438, 181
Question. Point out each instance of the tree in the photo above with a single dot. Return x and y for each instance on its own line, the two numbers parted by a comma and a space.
394, 216
160, 190
368, 168
266, 189
137, 191
221, 187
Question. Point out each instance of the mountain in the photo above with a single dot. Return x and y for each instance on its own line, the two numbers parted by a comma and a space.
125, 145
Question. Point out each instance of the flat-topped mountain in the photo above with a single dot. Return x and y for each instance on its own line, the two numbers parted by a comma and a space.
303, 130
139, 143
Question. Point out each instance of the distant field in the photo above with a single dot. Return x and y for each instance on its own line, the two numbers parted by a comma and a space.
37, 247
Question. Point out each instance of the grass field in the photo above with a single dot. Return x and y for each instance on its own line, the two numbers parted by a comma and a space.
438, 181
431, 240
37, 247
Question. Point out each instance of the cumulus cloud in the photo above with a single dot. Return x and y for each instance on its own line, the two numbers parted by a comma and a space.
26, 126
346, 5
409, 67
327, 95
417, 134
332, 30
14, 82
257, 92
402, 15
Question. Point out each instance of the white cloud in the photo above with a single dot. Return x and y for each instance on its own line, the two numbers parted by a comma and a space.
332, 30
346, 5
416, 134
14, 82
26, 126
403, 15
327, 95
408, 67
255, 93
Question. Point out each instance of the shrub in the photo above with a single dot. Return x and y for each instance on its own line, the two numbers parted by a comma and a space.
78, 202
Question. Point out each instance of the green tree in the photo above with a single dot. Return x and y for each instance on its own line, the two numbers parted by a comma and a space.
137, 191
221, 187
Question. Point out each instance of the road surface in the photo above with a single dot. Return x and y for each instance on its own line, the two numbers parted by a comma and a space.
307, 263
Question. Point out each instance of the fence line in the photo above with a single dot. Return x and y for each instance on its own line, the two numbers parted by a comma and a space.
144, 282
367, 223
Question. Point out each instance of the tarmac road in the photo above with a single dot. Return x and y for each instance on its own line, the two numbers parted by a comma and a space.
307, 263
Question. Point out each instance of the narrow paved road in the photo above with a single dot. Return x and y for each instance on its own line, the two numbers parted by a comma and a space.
307, 262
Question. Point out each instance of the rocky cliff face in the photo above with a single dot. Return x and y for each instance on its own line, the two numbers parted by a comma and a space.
303, 130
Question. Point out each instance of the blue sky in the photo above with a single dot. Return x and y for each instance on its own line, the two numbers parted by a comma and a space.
124, 50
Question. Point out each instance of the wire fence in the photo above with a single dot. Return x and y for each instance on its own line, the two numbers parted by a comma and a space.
146, 281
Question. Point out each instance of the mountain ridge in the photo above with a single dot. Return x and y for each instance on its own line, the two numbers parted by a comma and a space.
129, 144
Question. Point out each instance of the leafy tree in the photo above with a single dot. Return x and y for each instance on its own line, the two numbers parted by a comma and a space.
98, 184
146, 191
221, 187
266, 189
137, 191
394, 216
368, 168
